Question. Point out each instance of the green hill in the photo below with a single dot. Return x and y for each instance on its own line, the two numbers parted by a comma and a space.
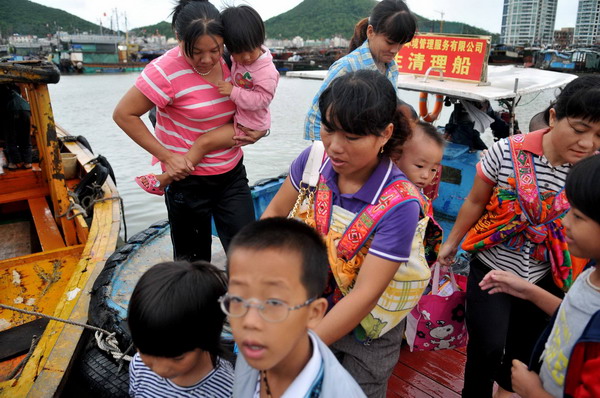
318, 19
28, 18
163, 28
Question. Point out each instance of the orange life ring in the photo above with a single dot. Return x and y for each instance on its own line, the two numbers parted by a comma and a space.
437, 108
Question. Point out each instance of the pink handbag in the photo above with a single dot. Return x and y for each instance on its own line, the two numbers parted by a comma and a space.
438, 321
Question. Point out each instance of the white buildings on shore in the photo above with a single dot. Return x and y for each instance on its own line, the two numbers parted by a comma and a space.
528, 22
531, 23
587, 27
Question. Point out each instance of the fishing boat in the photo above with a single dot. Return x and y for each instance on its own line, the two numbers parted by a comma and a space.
59, 221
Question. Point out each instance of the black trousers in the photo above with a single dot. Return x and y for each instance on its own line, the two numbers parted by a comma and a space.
501, 328
192, 201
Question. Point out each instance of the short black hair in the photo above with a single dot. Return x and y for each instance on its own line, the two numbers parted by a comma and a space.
289, 235
583, 187
174, 309
244, 29
364, 103
579, 98
193, 19
430, 131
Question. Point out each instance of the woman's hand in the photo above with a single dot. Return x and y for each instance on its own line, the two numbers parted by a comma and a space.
251, 137
525, 382
506, 282
447, 254
178, 166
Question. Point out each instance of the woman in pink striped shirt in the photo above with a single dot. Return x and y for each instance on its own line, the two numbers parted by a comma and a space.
182, 84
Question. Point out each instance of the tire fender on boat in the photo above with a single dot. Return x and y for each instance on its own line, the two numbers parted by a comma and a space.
437, 107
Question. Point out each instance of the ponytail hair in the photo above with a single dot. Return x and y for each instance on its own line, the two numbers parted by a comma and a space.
391, 18
360, 34
364, 103
193, 19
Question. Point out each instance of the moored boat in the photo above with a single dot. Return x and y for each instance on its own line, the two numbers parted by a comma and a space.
57, 232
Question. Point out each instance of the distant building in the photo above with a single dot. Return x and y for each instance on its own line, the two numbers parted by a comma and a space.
587, 27
563, 38
528, 22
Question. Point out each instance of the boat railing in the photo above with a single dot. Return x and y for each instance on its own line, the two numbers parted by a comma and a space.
433, 69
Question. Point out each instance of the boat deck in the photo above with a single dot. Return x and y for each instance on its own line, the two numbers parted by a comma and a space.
423, 374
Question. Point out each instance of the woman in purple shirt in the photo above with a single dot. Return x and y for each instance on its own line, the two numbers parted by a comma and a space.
360, 130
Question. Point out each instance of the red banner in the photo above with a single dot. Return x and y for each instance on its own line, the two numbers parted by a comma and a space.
459, 57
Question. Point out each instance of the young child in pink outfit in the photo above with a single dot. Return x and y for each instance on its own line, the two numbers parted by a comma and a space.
254, 79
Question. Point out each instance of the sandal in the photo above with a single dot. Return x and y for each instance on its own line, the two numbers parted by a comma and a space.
150, 184
12, 166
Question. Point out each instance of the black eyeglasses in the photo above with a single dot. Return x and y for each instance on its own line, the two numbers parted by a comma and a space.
271, 310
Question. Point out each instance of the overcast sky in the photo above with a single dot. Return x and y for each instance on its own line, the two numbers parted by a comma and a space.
486, 14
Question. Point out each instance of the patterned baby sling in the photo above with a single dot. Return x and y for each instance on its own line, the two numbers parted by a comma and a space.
523, 213
348, 250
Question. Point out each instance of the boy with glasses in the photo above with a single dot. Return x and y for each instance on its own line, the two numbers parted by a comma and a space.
277, 273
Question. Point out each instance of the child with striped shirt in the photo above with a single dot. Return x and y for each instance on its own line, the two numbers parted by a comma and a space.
175, 323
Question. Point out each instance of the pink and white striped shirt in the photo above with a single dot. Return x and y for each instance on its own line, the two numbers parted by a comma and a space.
187, 107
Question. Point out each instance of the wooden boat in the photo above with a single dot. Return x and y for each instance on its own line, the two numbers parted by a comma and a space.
51, 252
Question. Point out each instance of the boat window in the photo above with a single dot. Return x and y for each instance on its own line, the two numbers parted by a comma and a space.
451, 175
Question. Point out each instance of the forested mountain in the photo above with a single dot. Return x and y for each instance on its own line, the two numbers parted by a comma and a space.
28, 18
162, 28
311, 19
317, 19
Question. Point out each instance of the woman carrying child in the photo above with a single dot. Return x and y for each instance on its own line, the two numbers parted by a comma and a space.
570, 363
513, 216
358, 181
193, 117
376, 41
254, 78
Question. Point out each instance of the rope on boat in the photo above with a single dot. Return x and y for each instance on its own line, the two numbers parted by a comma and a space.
17, 370
108, 344
75, 206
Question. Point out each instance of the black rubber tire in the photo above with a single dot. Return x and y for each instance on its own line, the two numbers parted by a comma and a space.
100, 314
99, 373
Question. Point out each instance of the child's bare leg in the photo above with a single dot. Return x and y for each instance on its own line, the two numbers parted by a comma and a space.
164, 179
219, 138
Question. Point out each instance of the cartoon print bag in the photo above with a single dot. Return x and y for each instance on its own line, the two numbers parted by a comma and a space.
438, 321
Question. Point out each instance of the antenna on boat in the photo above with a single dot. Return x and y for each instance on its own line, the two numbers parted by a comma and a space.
442, 13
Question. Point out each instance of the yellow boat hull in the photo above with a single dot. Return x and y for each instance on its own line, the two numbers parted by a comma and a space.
66, 255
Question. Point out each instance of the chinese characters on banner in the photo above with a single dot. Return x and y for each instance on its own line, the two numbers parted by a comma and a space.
459, 57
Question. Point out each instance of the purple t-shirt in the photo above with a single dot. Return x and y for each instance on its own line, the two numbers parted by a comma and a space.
393, 235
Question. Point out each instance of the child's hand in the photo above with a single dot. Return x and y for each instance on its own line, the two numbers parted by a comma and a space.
525, 382
505, 282
225, 88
